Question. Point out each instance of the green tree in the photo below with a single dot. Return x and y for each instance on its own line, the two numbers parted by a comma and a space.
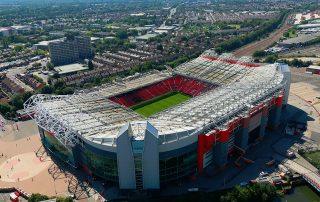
18, 48
256, 192
26, 96
64, 199
298, 63
122, 34
71, 35
59, 84
159, 47
90, 65
242, 40
97, 81
37, 197
286, 34
47, 89
36, 64
259, 54
5, 43
50, 66
39, 52
65, 91
5, 108
17, 101
271, 59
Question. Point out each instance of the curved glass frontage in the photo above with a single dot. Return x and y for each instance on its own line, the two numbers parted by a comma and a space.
56, 148
104, 166
174, 168
173, 165
100, 165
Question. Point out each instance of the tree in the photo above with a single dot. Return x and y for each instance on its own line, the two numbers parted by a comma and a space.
256, 192
159, 47
90, 65
64, 199
5, 43
47, 89
26, 96
271, 59
242, 40
122, 34
5, 108
17, 102
36, 64
55, 75
18, 48
50, 66
39, 79
286, 34
71, 35
298, 63
59, 84
39, 52
97, 81
37, 197
65, 91
127, 44
259, 54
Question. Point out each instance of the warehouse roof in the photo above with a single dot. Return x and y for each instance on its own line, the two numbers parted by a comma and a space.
66, 69
302, 38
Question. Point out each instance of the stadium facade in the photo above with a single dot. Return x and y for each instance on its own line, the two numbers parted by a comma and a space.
232, 103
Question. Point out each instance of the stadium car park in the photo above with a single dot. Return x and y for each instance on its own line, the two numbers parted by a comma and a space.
197, 115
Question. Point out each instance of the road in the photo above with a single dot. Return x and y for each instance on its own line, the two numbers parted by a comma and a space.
264, 43
12, 73
172, 12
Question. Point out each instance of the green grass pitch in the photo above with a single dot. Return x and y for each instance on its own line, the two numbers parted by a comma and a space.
160, 103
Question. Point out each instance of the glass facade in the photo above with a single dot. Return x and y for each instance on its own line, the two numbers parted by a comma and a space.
101, 166
138, 170
56, 148
105, 165
177, 167
137, 147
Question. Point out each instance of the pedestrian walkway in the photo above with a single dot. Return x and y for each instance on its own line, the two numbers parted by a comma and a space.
22, 167
312, 177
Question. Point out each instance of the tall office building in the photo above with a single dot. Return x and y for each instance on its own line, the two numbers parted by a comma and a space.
70, 50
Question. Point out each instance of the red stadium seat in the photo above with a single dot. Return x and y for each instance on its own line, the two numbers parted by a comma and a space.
179, 83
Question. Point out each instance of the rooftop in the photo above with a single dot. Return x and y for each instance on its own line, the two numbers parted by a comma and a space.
46, 43
314, 67
302, 38
146, 36
66, 69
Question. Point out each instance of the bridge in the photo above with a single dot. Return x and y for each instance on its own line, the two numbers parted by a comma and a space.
312, 177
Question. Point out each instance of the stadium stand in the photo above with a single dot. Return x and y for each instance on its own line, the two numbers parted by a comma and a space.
178, 83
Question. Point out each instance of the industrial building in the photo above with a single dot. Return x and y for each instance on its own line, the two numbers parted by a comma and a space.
68, 51
300, 40
232, 102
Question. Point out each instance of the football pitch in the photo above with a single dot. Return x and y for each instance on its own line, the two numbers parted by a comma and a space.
160, 103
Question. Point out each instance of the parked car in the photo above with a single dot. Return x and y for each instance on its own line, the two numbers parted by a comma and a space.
290, 154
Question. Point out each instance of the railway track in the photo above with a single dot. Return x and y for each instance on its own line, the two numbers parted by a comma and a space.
263, 43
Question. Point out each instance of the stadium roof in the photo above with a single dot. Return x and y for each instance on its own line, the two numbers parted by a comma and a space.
92, 116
